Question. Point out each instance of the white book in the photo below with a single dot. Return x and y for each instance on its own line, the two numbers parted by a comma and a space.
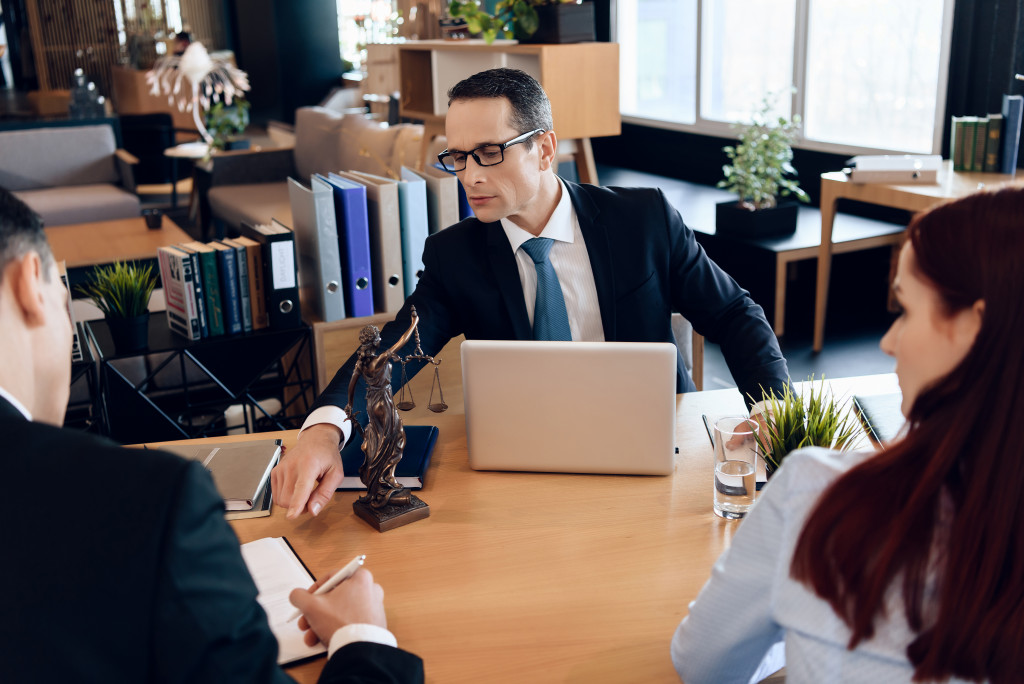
179, 291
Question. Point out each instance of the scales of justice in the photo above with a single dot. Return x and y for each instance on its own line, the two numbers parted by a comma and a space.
387, 504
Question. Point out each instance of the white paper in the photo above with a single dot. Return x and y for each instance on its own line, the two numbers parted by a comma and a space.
277, 571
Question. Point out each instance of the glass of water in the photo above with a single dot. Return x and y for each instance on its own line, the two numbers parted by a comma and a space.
735, 465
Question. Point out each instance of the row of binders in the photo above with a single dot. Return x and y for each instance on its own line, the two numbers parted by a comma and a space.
360, 236
355, 249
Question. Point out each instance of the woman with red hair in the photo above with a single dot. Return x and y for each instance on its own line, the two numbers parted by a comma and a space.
906, 564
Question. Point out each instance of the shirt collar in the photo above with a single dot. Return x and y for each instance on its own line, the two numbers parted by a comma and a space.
4, 394
559, 227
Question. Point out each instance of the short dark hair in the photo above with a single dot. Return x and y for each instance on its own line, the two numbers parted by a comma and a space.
21, 232
531, 108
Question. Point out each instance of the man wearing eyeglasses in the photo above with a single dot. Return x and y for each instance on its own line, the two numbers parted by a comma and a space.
543, 258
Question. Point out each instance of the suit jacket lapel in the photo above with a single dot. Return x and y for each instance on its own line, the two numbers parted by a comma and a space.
8, 411
595, 234
506, 274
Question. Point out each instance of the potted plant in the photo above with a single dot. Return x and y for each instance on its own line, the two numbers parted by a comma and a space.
759, 173
225, 122
529, 21
122, 292
793, 421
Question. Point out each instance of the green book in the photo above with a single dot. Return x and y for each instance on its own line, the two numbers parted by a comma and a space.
980, 137
211, 285
993, 142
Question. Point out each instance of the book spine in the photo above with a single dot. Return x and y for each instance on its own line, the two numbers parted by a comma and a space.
1013, 109
257, 288
190, 277
992, 144
229, 291
174, 292
980, 137
200, 290
211, 283
243, 287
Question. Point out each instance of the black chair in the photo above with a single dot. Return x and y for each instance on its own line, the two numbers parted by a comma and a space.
147, 136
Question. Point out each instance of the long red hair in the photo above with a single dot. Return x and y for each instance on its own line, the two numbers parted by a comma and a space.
963, 453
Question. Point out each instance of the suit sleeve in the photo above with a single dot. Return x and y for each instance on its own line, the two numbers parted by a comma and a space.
437, 326
723, 312
367, 663
209, 626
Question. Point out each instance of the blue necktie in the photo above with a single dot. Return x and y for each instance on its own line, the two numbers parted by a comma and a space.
550, 320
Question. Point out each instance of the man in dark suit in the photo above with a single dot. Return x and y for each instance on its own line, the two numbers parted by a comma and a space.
118, 564
620, 261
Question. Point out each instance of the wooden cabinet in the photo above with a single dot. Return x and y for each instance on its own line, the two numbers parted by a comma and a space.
581, 80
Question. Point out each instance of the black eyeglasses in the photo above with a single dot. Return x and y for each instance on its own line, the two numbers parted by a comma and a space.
485, 155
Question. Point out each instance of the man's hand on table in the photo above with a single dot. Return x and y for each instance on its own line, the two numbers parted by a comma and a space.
309, 472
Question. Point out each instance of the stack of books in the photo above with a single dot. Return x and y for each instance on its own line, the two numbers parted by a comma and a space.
988, 143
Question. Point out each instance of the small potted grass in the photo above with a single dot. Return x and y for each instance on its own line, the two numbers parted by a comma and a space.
122, 291
811, 418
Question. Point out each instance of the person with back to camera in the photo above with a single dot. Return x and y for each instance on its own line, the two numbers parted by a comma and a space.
127, 570
905, 564
543, 259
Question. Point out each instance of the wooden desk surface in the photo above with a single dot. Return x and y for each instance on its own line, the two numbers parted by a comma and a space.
525, 577
87, 244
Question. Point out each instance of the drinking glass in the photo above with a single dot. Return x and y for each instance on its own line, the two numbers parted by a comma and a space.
735, 441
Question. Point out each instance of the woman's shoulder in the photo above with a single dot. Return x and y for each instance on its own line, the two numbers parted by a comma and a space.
813, 468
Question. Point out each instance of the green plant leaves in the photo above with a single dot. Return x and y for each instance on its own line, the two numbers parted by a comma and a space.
511, 18
811, 418
121, 290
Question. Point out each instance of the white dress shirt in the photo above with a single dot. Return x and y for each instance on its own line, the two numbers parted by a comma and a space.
571, 261
15, 403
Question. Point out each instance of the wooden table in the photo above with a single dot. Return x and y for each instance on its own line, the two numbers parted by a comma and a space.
525, 577
835, 185
88, 244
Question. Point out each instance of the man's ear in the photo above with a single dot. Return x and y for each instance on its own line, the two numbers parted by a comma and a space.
548, 144
27, 276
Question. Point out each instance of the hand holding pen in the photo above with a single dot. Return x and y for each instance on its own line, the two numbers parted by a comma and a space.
356, 600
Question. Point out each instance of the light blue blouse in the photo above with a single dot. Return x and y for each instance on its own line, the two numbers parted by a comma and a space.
750, 602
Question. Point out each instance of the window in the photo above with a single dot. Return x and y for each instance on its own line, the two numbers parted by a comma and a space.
868, 75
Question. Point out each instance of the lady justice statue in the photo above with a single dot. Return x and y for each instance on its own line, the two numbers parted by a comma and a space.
387, 504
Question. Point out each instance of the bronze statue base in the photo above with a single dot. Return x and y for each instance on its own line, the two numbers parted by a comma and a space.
389, 517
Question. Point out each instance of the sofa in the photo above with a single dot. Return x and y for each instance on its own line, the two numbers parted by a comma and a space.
251, 186
69, 174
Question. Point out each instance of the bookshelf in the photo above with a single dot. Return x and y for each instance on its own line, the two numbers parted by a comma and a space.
581, 80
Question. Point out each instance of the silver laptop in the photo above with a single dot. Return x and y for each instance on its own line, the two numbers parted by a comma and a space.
570, 407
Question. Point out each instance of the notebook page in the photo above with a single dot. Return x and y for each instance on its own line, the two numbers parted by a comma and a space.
277, 571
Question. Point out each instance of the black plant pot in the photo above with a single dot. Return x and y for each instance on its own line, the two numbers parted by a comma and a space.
733, 221
564, 23
129, 334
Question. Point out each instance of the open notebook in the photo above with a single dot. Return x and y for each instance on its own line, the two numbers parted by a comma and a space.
277, 570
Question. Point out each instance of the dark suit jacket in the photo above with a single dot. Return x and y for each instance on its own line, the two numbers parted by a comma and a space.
118, 566
647, 264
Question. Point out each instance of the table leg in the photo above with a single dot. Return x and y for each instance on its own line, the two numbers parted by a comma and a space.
781, 266
829, 196
586, 169
174, 182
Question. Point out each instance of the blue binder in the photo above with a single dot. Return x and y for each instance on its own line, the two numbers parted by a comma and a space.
354, 243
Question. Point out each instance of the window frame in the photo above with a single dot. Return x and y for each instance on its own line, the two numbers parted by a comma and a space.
724, 130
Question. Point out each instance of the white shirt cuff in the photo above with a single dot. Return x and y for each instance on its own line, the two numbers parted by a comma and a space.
330, 414
758, 408
350, 634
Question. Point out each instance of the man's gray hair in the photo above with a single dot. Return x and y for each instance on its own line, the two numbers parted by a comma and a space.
21, 232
